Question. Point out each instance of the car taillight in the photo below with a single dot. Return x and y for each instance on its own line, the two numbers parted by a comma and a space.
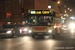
23, 29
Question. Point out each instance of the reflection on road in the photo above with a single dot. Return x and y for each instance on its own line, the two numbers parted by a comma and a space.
62, 41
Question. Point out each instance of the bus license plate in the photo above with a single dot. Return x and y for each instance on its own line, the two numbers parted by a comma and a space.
39, 33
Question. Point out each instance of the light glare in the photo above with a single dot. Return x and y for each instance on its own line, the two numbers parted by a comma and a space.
25, 29
72, 25
50, 31
8, 31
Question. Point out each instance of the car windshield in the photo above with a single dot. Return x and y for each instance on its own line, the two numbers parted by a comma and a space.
7, 26
20, 25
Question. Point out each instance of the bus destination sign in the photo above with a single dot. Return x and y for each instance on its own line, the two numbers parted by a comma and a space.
40, 12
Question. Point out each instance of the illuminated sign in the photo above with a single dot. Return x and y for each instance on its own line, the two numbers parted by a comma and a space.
32, 12
45, 12
41, 12
38, 12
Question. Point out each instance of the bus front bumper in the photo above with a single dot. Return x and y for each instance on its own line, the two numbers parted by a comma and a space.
42, 33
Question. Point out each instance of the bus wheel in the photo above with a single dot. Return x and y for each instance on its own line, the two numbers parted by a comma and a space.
33, 36
53, 36
18, 35
42, 36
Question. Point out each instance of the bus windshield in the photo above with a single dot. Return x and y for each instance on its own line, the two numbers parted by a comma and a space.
40, 20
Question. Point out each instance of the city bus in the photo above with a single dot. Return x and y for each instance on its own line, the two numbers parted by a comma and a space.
41, 23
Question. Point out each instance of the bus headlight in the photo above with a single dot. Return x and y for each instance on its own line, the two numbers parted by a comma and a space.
29, 31
50, 31
8, 32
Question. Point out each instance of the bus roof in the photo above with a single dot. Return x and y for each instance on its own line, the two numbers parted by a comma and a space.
44, 12
44, 9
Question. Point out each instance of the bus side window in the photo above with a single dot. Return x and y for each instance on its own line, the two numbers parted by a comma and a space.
49, 20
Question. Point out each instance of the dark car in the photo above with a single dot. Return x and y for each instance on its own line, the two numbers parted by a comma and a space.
8, 30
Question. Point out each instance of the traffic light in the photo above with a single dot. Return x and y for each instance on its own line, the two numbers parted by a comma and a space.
22, 10
26, 21
23, 19
23, 14
54, 14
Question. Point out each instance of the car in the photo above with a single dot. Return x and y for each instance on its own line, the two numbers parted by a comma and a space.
23, 29
8, 30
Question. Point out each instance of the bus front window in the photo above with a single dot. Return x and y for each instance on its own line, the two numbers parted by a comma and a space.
34, 20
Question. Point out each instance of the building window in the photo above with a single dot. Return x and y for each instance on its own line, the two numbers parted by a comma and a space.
7, 1
66, 0
64, 6
19, 1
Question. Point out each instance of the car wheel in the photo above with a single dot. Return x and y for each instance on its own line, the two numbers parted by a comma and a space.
53, 36
12, 35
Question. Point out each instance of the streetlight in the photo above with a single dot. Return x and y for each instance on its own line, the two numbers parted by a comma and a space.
58, 6
70, 9
58, 2
65, 11
49, 6
65, 14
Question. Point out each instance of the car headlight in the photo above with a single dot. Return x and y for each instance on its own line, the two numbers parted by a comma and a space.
25, 29
64, 25
50, 31
20, 30
8, 32
72, 25
55, 26
29, 31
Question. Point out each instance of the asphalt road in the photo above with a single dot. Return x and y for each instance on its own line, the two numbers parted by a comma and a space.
64, 41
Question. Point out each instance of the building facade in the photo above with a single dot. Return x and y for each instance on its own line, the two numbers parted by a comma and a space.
17, 7
54, 5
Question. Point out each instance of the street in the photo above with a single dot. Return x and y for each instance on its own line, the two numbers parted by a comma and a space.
23, 21
64, 41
